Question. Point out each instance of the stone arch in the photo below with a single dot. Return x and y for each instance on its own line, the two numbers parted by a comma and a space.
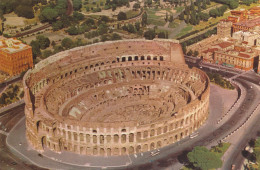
186, 132
138, 136
108, 152
123, 150
161, 58
39, 125
123, 138
159, 131
176, 138
187, 120
116, 151
159, 144
165, 142
182, 121
116, 138
44, 142
95, 151
101, 139
165, 129
152, 133
145, 148
102, 151
131, 137
152, 146
145, 134
131, 150
138, 149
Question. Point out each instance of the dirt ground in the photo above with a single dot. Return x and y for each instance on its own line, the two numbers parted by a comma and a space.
13, 20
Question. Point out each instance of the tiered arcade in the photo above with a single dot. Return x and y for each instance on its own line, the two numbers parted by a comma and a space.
114, 98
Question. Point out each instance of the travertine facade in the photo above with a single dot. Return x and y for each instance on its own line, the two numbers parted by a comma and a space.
114, 98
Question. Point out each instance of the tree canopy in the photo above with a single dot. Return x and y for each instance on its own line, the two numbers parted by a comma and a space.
202, 158
121, 16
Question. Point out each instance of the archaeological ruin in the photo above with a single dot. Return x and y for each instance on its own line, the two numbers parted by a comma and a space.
114, 98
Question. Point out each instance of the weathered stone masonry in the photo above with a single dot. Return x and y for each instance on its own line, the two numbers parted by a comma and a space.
114, 98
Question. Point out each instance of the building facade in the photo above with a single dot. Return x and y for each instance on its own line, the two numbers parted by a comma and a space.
15, 57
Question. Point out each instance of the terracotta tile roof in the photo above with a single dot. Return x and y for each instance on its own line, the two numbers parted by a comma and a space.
224, 44
249, 23
244, 55
210, 50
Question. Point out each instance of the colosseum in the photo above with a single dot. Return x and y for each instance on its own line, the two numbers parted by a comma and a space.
114, 98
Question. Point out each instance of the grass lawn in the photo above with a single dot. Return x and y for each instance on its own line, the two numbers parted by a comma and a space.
155, 19
184, 31
220, 150
132, 13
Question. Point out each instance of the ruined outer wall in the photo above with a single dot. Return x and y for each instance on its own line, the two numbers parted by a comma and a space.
45, 129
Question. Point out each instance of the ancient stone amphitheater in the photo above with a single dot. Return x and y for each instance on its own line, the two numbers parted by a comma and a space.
114, 98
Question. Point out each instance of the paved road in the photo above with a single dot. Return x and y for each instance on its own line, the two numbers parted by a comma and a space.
8, 160
253, 129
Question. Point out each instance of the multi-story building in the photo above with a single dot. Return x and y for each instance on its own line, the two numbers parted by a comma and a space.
241, 51
246, 25
15, 56
224, 29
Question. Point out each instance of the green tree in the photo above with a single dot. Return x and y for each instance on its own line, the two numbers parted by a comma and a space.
67, 43
78, 16
161, 35
131, 28
43, 41
102, 29
136, 6
144, 19
202, 158
46, 53
116, 36
214, 13
57, 25
150, 34
121, 16
48, 14
233, 4
137, 26
35, 48
181, 16
24, 11
77, 4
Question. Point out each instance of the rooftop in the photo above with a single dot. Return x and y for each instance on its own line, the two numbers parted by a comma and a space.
224, 44
12, 45
249, 23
